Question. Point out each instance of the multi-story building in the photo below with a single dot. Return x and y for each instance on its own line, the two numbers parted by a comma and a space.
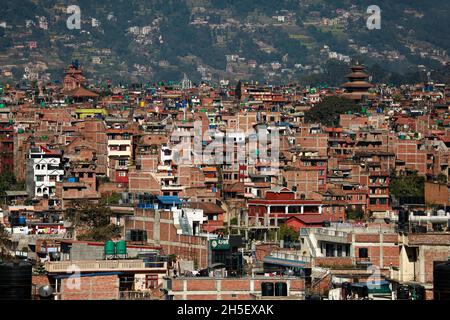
120, 152
6, 148
44, 170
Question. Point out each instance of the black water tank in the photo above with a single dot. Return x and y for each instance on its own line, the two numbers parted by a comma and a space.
403, 217
441, 281
307, 272
418, 292
365, 292
267, 289
236, 241
281, 289
15, 281
312, 297
403, 293
346, 289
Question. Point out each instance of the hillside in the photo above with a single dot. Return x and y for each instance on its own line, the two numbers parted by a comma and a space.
265, 40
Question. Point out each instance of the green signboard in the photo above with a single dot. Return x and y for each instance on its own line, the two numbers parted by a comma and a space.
219, 244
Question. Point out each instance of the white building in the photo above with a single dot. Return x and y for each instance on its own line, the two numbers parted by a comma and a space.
188, 221
44, 169
120, 148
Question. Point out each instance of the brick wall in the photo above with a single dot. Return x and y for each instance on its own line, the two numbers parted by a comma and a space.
91, 288
431, 254
436, 193
333, 261
228, 288
163, 232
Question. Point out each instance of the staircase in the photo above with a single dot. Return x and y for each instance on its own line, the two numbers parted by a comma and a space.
185, 225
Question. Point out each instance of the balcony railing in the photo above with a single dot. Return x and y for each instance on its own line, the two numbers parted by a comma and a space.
104, 265
134, 295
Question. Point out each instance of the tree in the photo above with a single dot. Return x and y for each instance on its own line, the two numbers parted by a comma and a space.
409, 185
8, 182
355, 213
288, 232
93, 217
284, 232
238, 90
112, 199
4, 241
328, 111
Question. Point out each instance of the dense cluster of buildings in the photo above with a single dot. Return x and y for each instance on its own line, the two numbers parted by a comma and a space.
224, 192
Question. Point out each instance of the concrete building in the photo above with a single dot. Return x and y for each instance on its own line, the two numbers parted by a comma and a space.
44, 170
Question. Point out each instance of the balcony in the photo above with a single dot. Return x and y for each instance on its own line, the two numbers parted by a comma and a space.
135, 295
119, 153
121, 167
113, 142
172, 187
328, 235
106, 266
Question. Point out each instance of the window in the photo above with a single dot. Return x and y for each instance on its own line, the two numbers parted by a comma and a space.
151, 281
122, 163
122, 174
363, 252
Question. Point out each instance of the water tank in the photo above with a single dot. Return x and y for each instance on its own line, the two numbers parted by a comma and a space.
403, 293
403, 217
417, 292
346, 290
267, 289
15, 281
110, 248
365, 292
281, 289
121, 247
22, 221
441, 280
312, 297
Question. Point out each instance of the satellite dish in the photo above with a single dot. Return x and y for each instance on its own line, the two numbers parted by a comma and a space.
46, 291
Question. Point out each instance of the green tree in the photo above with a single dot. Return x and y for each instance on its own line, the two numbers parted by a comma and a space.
407, 185
355, 213
110, 199
9, 182
328, 111
287, 231
238, 90
95, 218
284, 231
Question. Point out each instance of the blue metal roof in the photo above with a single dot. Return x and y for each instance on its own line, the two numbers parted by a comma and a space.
284, 124
169, 200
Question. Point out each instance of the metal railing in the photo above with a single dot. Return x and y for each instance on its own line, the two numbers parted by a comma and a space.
135, 295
